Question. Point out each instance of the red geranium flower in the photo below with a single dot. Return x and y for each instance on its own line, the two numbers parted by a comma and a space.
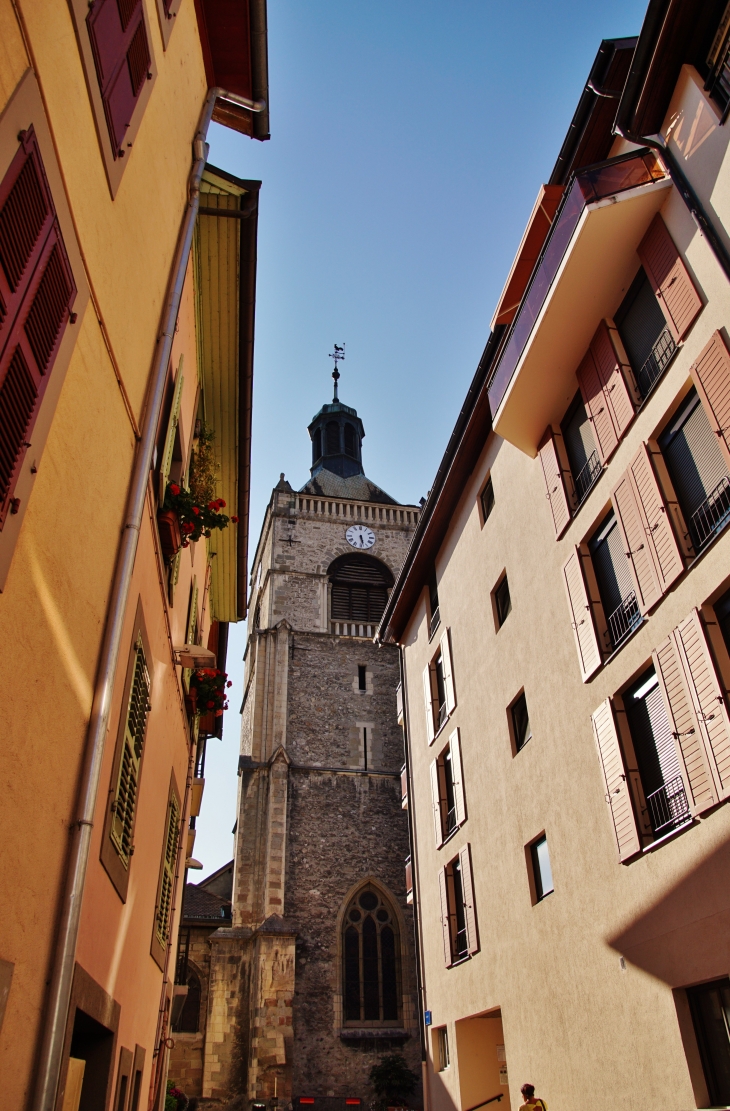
229, 683
174, 488
219, 713
186, 544
196, 511
210, 705
235, 520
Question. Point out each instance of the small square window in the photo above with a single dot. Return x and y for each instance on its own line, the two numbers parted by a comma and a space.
521, 731
542, 872
487, 499
502, 602
442, 1045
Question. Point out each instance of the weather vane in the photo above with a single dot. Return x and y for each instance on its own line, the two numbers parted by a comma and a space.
337, 354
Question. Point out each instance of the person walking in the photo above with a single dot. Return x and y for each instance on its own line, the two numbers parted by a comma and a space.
528, 1094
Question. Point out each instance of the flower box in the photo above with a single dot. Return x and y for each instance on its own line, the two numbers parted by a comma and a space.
191, 702
168, 524
207, 723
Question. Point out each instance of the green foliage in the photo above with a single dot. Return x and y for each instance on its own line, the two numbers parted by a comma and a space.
203, 467
198, 508
392, 1080
211, 684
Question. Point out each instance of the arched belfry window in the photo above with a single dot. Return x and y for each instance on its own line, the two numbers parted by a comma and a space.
316, 445
332, 437
350, 441
371, 960
359, 588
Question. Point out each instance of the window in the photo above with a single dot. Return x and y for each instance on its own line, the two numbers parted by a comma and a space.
433, 603
447, 790
442, 1048
580, 445
698, 470
362, 679
371, 961
613, 576
718, 67
643, 329
359, 589
486, 499
722, 612
438, 688
521, 731
189, 1020
350, 441
542, 873
458, 914
171, 459
710, 1009
332, 437
502, 602
316, 445
656, 755
166, 885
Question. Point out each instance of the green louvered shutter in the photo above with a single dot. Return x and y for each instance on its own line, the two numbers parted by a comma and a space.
167, 880
166, 462
125, 800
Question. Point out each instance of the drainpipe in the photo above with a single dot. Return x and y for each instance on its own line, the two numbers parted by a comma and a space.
56, 1012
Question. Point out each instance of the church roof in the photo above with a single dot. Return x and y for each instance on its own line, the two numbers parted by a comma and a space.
357, 487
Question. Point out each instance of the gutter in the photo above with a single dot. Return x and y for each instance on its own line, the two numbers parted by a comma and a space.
646, 47
56, 1011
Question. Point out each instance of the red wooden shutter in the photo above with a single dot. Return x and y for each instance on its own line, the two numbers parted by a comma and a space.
618, 795
599, 414
615, 391
436, 803
37, 292
448, 673
557, 483
445, 924
467, 887
711, 374
674, 682
674, 289
122, 56
457, 777
428, 700
708, 698
584, 630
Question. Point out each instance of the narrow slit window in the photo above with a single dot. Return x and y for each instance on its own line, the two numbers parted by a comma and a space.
541, 869
502, 602
520, 722
362, 683
487, 499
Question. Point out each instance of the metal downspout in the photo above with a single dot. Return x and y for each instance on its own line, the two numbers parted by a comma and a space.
59, 995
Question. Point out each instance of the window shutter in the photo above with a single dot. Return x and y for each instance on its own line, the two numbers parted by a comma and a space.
559, 488
445, 926
124, 803
581, 612
599, 413
615, 391
436, 803
644, 520
428, 698
616, 782
122, 58
167, 879
711, 374
166, 464
37, 292
467, 886
672, 285
675, 681
448, 673
458, 777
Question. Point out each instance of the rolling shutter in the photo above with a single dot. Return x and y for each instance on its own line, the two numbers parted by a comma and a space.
599, 413
37, 292
612, 376
558, 482
448, 673
172, 424
584, 630
616, 782
436, 803
163, 915
122, 58
457, 777
124, 803
711, 374
674, 682
445, 924
672, 285
467, 887
428, 699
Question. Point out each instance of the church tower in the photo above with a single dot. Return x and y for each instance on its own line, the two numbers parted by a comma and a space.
315, 978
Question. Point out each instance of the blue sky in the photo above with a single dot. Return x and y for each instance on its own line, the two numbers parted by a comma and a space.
409, 140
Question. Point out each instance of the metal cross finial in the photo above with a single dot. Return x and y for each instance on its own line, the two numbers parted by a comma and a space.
337, 354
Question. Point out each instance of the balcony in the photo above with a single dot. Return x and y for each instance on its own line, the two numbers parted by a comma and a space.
587, 477
668, 807
586, 264
661, 356
353, 629
712, 516
624, 619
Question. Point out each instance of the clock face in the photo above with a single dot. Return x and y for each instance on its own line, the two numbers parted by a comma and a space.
360, 536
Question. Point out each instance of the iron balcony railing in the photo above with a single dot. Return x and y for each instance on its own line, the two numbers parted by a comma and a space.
450, 820
668, 807
659, 359
441, 716
590, 185
461, 947
624, 619
587, 477
712, 515
435, 619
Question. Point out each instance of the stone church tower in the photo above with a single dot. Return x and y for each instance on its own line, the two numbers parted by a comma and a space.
315, 978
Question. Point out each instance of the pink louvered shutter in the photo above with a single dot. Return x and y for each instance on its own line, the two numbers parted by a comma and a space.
558, 485
711, 374
436, 803
674, 685
611, 374
122, 57
445, 924
428, 702
447, 668
597, 408
457, 778
581, 616
708, 698
615, 778
467, 887
680, 302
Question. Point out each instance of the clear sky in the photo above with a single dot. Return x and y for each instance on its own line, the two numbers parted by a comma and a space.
409, 140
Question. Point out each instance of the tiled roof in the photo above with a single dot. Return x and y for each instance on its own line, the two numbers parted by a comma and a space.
204, 905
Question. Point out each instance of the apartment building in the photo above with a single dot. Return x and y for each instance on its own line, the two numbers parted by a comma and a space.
127, 290
564, 622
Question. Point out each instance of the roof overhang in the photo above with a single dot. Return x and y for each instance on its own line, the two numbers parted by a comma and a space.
234, 40
597, 267
528, 253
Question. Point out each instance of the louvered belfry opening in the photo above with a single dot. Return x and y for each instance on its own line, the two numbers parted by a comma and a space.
122, 58
359, 589
37, 292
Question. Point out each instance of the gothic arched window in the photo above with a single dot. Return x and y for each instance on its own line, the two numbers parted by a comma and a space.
350, 442
332, 436
316, 445
359, 588
371, 965
189, 1020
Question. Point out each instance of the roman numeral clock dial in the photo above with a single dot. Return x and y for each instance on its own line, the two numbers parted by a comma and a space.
360, 536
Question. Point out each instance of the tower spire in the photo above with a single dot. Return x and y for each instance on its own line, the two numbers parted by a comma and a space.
337, 355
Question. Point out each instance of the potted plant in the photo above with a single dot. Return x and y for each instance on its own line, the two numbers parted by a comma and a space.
209, 685
392, 1081
187, 515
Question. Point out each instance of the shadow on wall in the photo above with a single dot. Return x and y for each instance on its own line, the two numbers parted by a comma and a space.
684, 938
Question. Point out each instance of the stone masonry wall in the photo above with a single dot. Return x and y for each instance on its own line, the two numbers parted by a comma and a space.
186, 1058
